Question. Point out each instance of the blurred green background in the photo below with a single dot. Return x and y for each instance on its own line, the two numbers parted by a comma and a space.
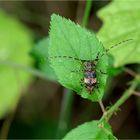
32, 103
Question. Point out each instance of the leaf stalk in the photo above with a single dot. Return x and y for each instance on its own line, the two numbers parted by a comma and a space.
107, 115
87, 13
65, 113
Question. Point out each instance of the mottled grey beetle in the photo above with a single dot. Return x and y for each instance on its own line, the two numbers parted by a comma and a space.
89, 80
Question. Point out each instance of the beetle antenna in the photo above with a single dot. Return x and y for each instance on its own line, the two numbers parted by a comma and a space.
107, 50
124, 41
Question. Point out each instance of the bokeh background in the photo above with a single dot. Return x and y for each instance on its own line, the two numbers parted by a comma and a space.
40, 107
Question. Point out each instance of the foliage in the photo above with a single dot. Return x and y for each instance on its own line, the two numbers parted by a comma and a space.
66, 38
70, 40
40, 53
15, 43
91, 130
121, 21
69, 43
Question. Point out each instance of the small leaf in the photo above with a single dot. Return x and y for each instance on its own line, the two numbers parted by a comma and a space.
15, 43
121, 21
91, 130
40, 53
70, 40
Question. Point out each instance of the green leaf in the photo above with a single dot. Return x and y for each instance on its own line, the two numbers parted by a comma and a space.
121, 21
40, 53
70, 40
15, 43
91, 130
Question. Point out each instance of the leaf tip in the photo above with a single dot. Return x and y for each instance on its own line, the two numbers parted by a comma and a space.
54, 16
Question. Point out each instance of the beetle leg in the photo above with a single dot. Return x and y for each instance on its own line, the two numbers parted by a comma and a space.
82, 84
97, 57
77, 71
103, 72
100, 71
97, 85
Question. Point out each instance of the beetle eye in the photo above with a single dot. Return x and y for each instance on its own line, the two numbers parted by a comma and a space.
94, 74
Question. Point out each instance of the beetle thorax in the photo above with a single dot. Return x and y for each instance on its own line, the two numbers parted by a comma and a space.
88, 66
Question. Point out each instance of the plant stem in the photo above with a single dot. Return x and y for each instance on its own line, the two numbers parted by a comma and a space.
16, 66
136, 93
102, 107
65, 114
6, 126
129, 71
8, 121
86, 13
123, 98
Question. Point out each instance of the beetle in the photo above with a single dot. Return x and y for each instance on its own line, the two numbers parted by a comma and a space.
89, 80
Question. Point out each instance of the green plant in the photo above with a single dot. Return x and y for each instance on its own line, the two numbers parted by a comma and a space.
68, 40
15, 43
79, 46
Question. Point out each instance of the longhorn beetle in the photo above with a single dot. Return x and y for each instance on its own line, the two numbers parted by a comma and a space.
89, 80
